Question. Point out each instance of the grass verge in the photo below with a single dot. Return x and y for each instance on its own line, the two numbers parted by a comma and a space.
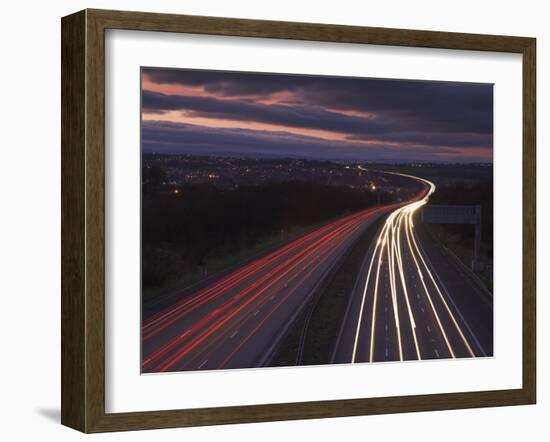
311, 340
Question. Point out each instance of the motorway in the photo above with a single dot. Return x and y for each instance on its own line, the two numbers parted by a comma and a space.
238, 320
410, 303
399, 308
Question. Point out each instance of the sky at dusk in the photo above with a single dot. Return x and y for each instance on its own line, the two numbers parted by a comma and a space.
333, 118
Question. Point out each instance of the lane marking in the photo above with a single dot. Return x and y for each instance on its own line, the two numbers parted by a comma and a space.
202, 365
393, 282
441, 295
300, 257
373, 320
389, 244
404, 284
443, 288
234, 334
410, 234
361, 309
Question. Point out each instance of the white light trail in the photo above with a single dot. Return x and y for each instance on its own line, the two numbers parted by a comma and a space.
404, 285
389, 246
452, 316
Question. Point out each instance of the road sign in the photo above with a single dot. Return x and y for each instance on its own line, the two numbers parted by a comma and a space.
440, 214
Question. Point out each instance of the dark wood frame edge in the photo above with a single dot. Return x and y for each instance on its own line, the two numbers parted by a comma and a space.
83, 215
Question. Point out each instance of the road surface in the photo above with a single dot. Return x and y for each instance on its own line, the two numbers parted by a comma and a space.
410, 303
399, 309
238, 320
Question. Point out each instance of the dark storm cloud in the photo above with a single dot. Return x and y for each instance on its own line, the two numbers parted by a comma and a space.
390, 113
433, 105
299, 116
167, 137
311, 117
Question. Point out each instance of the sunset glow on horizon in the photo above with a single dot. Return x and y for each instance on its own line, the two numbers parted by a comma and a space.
334, 118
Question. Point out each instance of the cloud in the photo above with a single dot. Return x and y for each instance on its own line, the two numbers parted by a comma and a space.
168, 137
437, 104
228, 84
434, 106
382, 112
311, 117
299, 116
453, 139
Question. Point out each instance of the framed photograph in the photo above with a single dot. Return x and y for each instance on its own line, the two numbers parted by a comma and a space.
267, 221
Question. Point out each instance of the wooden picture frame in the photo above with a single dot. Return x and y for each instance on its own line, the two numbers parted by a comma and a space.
83, 219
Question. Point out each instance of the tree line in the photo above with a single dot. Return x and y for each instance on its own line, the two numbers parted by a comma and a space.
182, 231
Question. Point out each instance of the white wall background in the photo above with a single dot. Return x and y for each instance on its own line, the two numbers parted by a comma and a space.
30, 217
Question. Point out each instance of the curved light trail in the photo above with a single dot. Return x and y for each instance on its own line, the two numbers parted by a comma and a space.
231, 322
397, 238
238, 319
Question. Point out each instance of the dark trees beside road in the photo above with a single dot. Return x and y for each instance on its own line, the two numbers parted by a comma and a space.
183, 228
